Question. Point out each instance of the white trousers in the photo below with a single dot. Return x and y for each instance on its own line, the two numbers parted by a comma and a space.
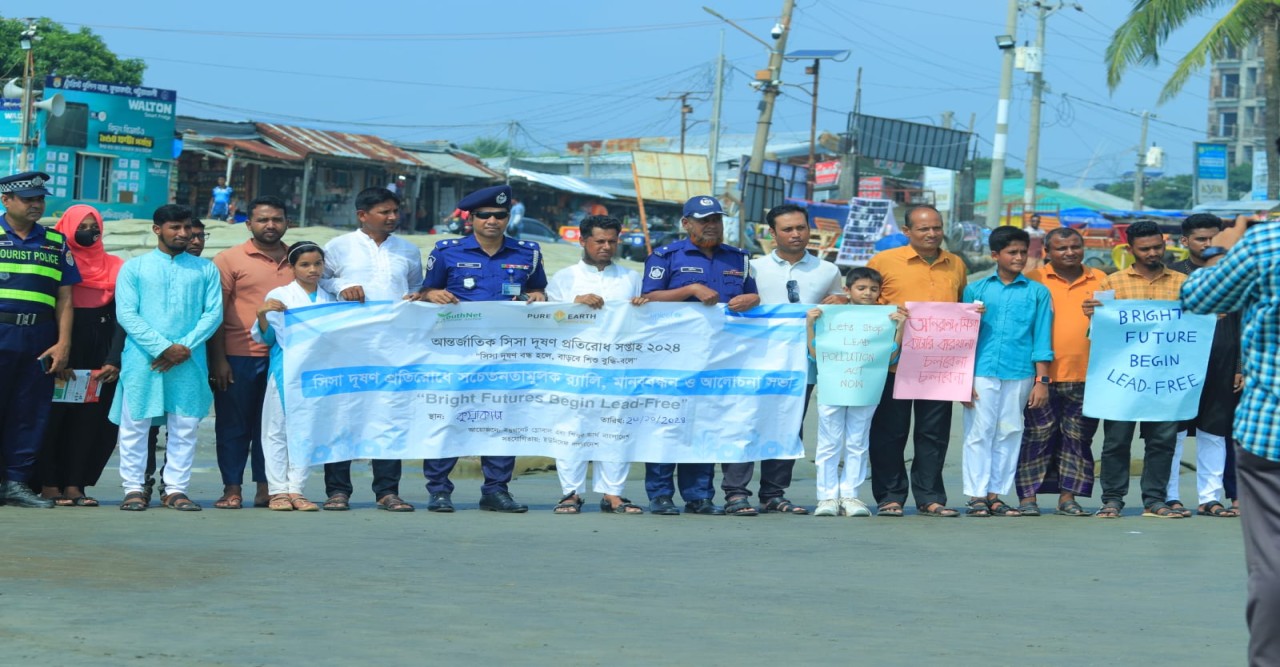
993, 435
608, 477
282, 476
1211, 464
180, 450
842, 430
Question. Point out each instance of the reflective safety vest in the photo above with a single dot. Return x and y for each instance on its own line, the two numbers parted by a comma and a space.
30, 270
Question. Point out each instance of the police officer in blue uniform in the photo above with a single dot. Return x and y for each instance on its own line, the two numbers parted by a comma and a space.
486, 266
701, 269
36, 275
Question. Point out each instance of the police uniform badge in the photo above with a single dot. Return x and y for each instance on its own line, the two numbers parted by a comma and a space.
431, 261
657, 272
469, 282
501, 198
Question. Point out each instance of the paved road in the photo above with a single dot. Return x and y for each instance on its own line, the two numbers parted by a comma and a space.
253, 587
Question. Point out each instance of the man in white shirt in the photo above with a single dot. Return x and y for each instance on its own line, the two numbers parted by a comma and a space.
370, 264
593, 281
789, 274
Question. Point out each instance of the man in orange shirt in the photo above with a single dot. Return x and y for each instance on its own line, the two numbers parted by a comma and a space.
237, 365
1058, 434
919, 271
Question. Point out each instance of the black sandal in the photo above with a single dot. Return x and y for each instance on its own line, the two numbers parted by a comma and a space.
1109, 510
134, 501
977, 508
625, 507
781, 506
889, 508
180, 502
739, 506
570, 504
1071, 508
1001, 508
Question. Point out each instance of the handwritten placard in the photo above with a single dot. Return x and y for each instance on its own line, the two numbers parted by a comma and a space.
853, 344
1147, 361
938, 348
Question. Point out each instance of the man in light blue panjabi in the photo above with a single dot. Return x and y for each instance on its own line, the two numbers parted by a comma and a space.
169, 303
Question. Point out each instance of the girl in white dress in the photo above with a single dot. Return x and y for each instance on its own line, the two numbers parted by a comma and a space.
286, 478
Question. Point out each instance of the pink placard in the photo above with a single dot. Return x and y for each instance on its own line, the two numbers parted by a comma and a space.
939, 342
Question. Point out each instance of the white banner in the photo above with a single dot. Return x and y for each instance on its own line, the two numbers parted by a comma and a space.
663, 382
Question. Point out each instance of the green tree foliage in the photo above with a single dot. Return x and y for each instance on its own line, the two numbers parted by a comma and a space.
1240, 180
492, 147
1167, 192
79, 54
982, 169
1138, 40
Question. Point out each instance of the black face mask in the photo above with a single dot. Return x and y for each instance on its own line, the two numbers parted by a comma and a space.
87, 237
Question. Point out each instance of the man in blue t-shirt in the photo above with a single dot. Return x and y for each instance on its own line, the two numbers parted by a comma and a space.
220, 205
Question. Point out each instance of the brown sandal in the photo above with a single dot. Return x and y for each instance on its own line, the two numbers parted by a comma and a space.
392, 503
300, 503
338, 502
280, 503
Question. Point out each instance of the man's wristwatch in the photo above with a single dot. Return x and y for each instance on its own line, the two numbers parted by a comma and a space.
1213, 251
1043, 379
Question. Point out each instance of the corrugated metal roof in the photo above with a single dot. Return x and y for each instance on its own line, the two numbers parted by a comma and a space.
451, 164
557, 182
305, 140
257, 148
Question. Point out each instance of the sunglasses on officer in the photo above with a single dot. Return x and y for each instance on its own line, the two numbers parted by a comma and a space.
485, 215
793, 291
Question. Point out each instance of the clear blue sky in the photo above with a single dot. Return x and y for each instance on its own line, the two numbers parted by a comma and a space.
591, 69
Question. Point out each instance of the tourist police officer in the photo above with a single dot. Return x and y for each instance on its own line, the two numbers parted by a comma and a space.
697, 269
486, 266
36, 275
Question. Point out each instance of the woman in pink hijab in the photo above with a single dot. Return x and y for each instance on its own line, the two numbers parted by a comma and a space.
79, 439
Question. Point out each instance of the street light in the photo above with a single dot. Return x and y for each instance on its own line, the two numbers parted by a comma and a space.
817, 56
1005, 42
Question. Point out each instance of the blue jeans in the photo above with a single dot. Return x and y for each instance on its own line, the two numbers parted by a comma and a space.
695, 480
497, 473
238, 427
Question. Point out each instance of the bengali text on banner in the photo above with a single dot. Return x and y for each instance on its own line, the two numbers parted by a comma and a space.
939, 344
661, 382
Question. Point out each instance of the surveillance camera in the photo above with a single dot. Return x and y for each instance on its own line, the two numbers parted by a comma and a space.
776, 31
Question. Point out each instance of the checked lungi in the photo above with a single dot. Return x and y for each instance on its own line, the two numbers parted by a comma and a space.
1058, 438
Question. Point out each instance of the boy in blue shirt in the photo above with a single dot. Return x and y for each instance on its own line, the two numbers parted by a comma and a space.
1011, 371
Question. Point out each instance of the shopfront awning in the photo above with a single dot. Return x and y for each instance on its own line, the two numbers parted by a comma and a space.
558, 182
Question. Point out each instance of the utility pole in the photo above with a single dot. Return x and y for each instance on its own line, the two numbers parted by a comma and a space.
511, 147
770, 89
685, 110
848, 188
27, 40
995, 197
1140, 174
586, 161
713, 152
1035, 66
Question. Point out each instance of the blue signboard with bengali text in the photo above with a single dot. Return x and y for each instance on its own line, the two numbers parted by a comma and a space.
112, 148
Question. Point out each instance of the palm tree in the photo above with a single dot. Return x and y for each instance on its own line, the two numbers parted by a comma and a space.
1149, 25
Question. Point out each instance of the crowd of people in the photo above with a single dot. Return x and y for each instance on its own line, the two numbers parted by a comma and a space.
169, 334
